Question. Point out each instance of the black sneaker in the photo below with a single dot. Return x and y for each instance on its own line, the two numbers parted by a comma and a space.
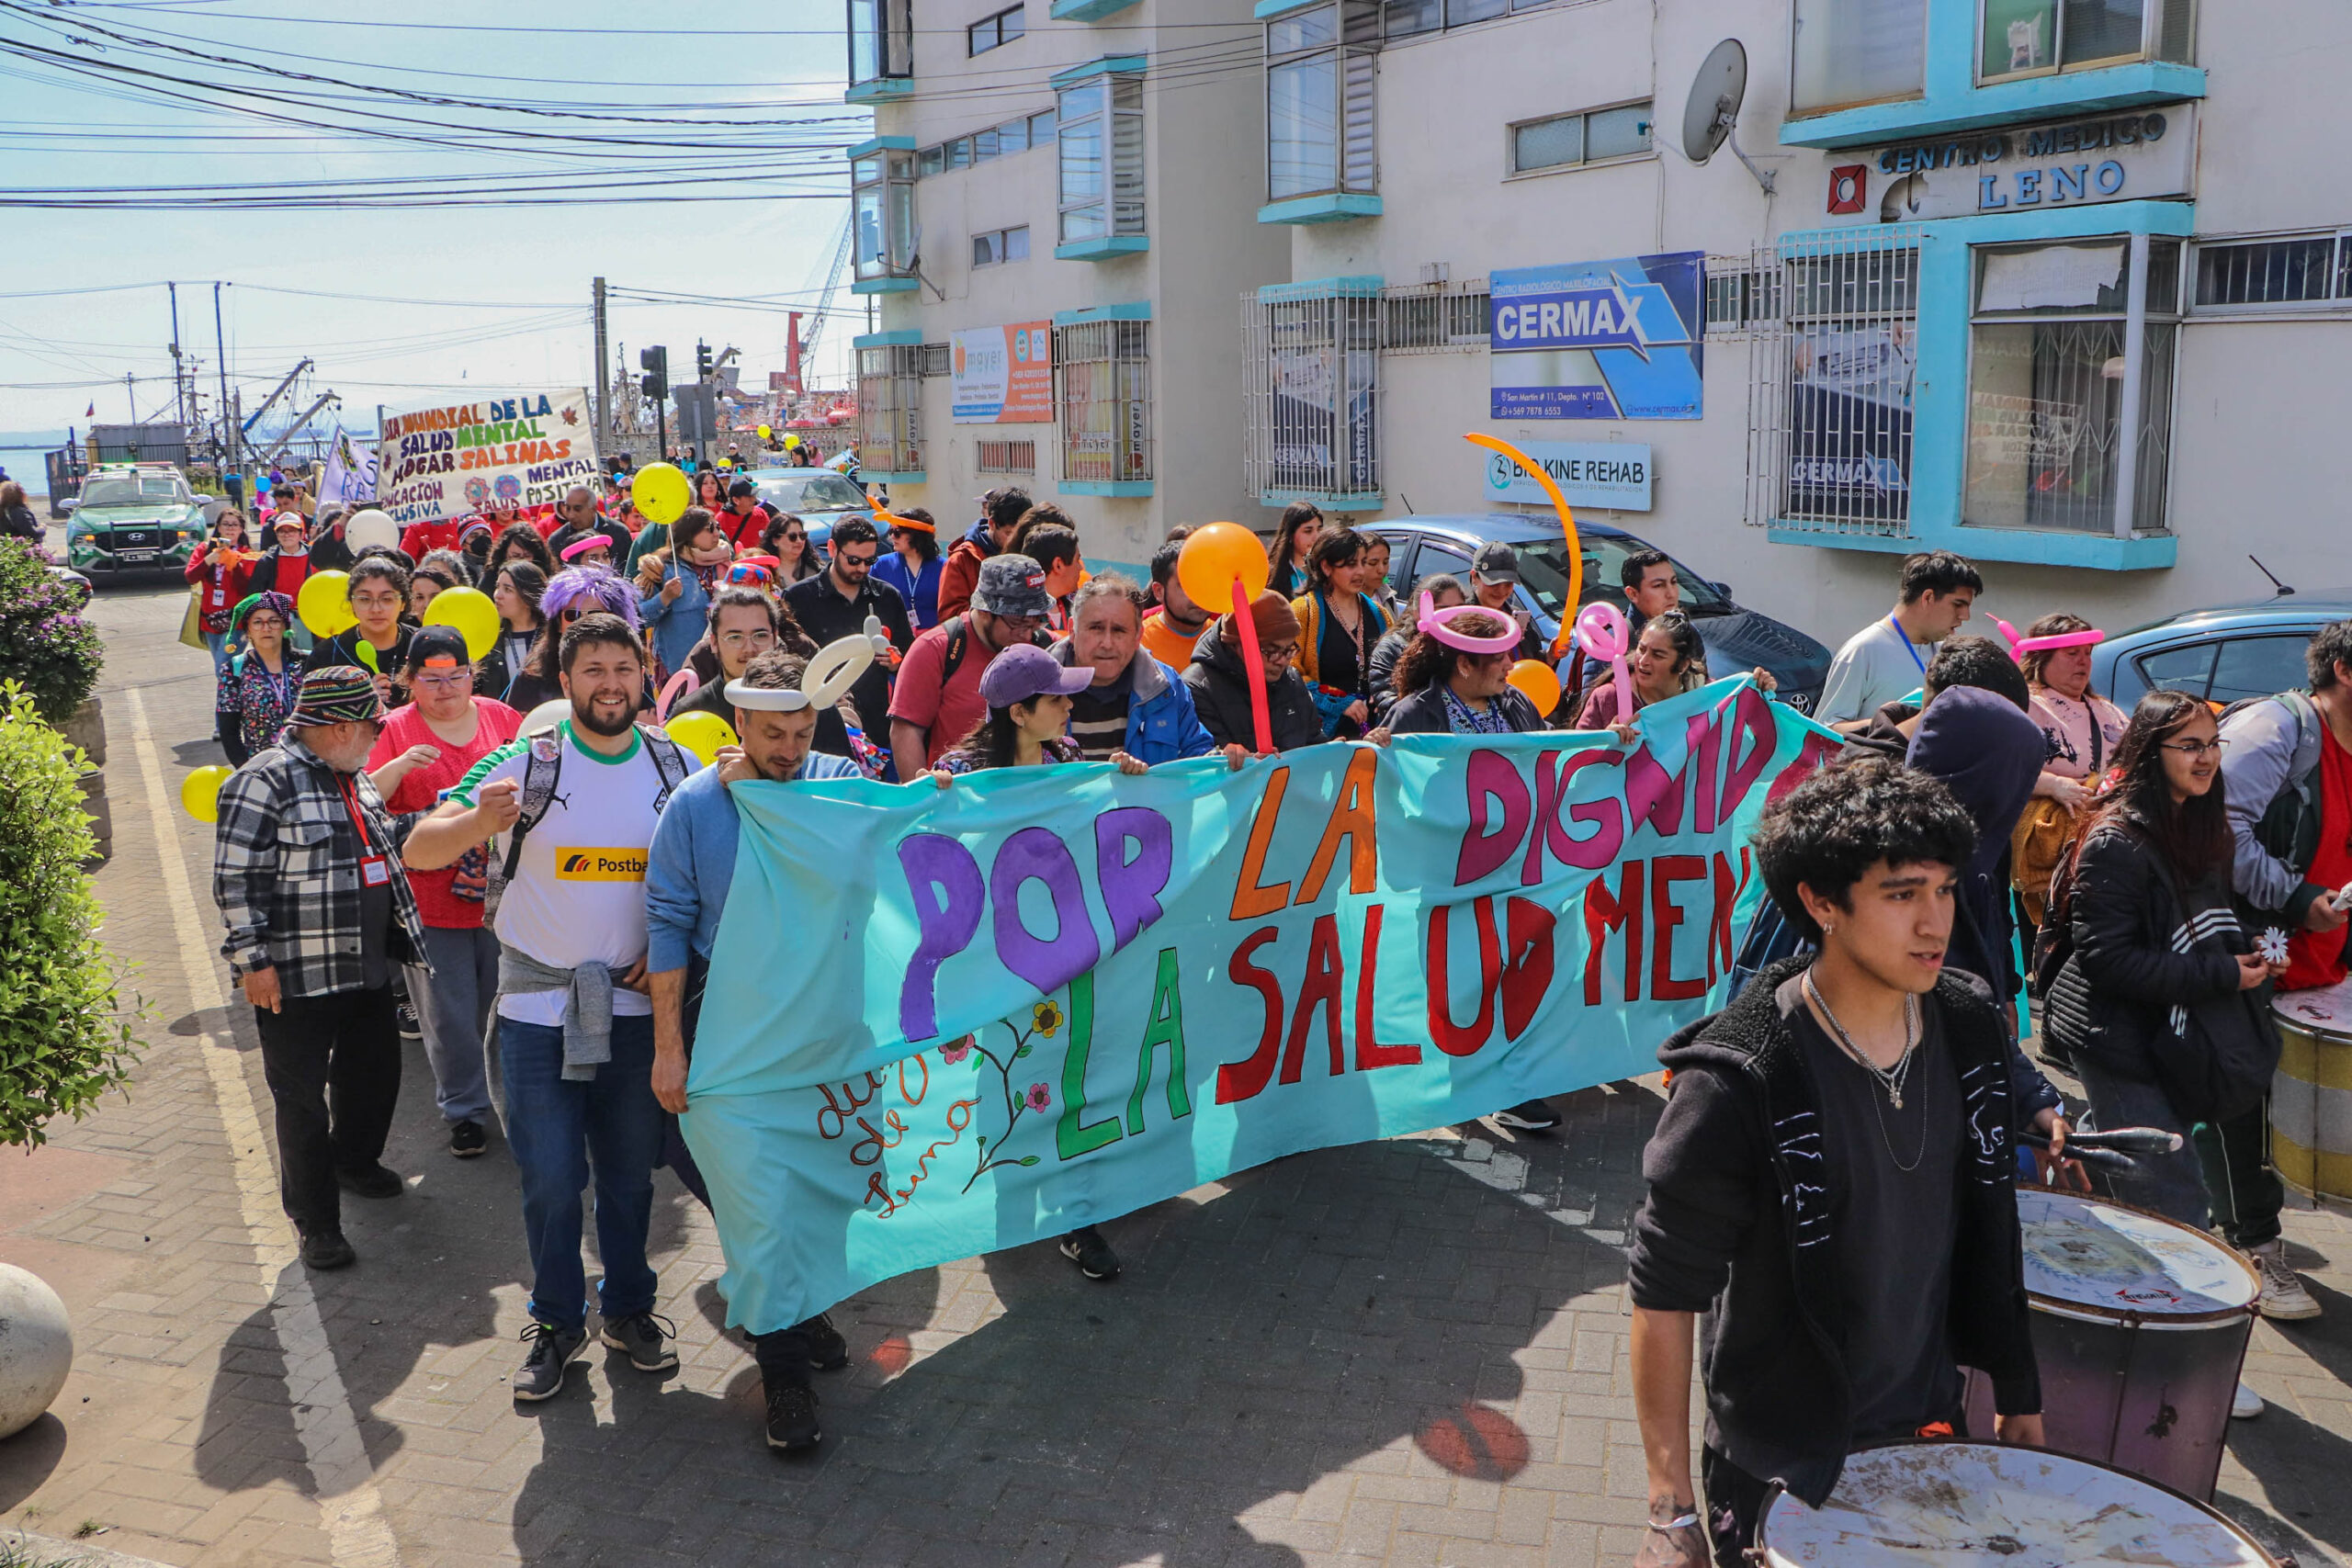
376, 1181
792, 1418
327, 1249
553, 1350
1535, 1116
828, 1351
645, 1335
466, 1139
1086, 1247
405, 1013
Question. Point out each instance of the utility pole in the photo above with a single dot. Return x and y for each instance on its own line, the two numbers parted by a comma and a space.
131, 396
227, 455
179, 383
604, 378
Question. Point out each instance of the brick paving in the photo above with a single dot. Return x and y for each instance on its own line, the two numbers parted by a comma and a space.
1410, 1352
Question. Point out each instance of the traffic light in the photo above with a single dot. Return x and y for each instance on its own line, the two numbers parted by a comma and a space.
702, 362
655, 383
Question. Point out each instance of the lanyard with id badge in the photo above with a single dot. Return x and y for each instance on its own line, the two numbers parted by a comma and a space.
375, 870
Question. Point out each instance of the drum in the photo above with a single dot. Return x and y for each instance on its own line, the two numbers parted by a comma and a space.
2311, 1100
1958, 1504
2140, 1324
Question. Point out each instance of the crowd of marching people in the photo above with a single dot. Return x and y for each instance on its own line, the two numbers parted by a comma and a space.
388, 863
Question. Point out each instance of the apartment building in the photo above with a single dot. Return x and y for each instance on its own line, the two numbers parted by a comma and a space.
2059, 284
1055, 216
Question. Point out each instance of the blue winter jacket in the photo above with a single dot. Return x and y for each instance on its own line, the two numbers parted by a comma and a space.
1161, 723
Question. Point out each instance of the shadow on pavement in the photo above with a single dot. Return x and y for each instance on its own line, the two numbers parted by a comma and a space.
1321, 1309
26, 1458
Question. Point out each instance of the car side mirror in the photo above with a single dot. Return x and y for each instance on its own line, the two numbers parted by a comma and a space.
68, 507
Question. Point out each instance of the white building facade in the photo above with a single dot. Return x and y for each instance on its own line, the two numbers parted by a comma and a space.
2063, 285
1055, 220
2045, 282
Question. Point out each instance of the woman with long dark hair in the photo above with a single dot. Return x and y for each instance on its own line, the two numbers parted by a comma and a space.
1339, 626
1294, 537
785, 538
520, 541
220, 569
711, 491
1029, 700
2158, 1002
2083, 729
515, 589
1665, 660
911, 564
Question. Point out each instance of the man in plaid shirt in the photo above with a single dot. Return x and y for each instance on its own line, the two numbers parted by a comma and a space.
306, 870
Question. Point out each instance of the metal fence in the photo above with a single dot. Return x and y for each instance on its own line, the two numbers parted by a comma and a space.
1832, 320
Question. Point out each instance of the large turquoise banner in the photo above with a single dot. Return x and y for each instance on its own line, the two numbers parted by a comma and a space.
941, 1022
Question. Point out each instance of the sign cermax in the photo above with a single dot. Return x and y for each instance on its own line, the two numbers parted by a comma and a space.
1607, 473
2118, 157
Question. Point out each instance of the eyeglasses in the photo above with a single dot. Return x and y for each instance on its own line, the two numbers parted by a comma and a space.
762, 638
2195, 747
1281, 654
845, 559
458, 681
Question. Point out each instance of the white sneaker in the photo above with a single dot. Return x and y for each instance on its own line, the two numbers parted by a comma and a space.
2244, 1404
2284, 1297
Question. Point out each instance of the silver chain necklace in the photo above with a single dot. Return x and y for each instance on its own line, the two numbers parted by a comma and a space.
1890, 1078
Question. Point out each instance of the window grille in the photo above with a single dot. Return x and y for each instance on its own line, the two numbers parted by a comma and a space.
1435, 319
1102, 383
1311, 400
1008, 457
1741, 297
932, 359
1835, 319
889, 407
2286, 271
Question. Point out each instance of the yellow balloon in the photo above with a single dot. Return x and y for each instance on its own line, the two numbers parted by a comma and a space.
324, 604
1535, 680
472, 612
702, 733
1213, 557
765, 432
661, 492
200, 792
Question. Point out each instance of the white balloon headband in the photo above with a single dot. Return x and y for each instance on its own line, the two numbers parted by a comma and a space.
834, 670
1433, 620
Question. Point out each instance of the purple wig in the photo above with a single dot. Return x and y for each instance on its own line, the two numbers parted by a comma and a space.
595, 586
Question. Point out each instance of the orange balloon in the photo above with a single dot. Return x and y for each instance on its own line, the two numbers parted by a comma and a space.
1213, 557
1535, 680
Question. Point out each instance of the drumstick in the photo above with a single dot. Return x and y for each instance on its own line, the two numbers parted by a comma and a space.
2132, 1140
2104, 1159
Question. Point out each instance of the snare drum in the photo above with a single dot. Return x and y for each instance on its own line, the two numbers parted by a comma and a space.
2140, 1324
2311, 1100
1961, 1505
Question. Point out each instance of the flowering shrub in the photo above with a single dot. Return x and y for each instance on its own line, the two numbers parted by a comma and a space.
46, 645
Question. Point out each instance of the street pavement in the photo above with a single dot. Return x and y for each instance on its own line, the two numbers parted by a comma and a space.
1409, 1353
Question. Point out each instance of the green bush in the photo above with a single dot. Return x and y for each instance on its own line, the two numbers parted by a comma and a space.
64, 1036
45, 644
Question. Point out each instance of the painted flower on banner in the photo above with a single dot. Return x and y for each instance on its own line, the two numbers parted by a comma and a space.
955, 1051
1047, 1019
1037, 1098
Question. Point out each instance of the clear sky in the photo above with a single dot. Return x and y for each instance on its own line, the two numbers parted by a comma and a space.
162, 102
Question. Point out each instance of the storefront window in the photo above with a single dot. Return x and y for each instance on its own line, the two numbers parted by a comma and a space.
1847, 371
881, 40
1101, 157
1857, 51
1320, 100
2026, 38
882, 199
1312, 414
1102, 379
2070, 385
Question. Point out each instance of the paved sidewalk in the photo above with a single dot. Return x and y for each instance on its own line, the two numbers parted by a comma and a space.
1409, 1352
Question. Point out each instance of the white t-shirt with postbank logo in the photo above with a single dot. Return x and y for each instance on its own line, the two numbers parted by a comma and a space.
578, 893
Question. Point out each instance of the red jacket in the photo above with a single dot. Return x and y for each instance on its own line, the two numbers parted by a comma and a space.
418, 538
743, 532
223, 577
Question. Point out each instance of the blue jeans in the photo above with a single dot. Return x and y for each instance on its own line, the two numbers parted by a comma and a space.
563, 1132
2222, 1177
217, 645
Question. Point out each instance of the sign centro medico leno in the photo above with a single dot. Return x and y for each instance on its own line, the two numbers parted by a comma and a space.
508, 453
2120, 157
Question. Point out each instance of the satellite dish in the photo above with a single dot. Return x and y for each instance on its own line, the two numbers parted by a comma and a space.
1712, 114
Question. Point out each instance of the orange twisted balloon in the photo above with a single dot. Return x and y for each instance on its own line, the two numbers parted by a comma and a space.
1534, 470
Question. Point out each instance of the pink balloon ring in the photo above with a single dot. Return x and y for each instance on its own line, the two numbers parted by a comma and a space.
1433, 620
1602, 633
684, 684
2021, 646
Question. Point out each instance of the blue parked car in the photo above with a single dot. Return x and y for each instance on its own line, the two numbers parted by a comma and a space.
1737, 639
2220, 654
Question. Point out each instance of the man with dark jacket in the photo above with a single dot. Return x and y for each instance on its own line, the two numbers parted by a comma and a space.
991, 535
1220, 679
1830, 1181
